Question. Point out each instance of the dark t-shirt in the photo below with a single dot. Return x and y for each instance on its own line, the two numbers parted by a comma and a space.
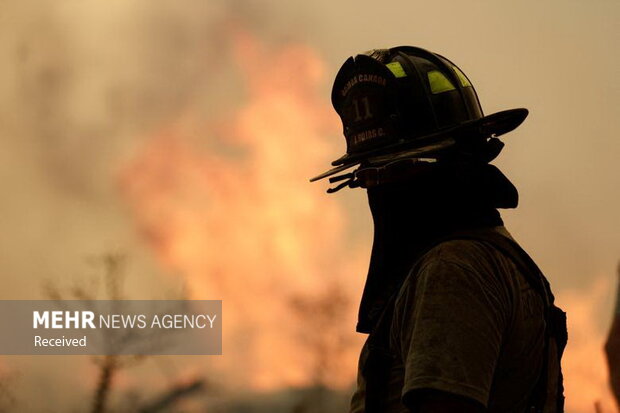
466, 322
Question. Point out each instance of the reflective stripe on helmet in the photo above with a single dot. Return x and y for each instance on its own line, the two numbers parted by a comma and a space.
439, 82
464, 81
397, 69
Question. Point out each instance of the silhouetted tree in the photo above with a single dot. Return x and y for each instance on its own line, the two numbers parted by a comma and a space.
109, 365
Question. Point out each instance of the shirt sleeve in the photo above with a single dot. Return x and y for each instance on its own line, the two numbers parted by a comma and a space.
449, 322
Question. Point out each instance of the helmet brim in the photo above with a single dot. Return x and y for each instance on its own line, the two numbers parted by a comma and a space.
493, 125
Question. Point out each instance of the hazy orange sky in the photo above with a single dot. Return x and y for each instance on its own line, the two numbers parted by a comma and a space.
86, 85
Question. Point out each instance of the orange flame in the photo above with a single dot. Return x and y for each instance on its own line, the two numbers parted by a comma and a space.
586, 379
241, 222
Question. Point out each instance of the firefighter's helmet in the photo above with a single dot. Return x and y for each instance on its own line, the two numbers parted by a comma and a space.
407, 102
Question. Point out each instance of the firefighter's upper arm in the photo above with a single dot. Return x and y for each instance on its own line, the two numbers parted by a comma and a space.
450, 323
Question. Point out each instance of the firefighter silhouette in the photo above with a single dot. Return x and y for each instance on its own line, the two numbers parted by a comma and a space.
458, 316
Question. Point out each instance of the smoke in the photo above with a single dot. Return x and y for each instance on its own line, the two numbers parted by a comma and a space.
87, 85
